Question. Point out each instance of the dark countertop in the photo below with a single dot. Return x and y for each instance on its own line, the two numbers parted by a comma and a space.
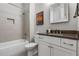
68, 36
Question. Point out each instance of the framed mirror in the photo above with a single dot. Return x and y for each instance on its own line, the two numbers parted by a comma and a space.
59, 13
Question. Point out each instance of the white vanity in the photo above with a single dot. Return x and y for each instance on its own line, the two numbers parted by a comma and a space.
56, 46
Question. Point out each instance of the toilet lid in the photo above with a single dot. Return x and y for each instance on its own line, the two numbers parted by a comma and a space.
30, 45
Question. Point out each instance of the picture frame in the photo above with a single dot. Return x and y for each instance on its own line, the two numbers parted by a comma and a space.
40, 18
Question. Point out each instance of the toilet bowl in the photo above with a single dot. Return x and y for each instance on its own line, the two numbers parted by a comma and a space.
30, 47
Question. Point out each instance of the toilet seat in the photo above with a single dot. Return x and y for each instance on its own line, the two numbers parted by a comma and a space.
30, 46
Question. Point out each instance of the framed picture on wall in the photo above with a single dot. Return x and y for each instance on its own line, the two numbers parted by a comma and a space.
40, 18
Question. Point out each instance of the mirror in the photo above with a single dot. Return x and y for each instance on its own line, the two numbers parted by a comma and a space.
58, 12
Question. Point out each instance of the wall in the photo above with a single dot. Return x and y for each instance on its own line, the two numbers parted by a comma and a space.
32, 20
8, 30
29, 20
71, 25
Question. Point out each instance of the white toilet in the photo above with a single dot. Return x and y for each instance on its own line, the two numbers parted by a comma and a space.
31, 48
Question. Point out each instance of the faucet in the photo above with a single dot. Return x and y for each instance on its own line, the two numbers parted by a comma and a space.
57, 31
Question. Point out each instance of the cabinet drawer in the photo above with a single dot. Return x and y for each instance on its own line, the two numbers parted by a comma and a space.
69, 44
52, 40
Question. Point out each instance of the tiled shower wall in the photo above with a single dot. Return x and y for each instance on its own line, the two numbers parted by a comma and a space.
9, 30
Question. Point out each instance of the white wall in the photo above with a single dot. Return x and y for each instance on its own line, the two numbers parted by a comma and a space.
29, 20
32, 20
8, 30
71, 25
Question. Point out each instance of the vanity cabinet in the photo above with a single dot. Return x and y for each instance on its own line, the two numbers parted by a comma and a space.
46, 49
56, 48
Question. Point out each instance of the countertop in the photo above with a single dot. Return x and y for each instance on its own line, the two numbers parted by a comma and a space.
68, 36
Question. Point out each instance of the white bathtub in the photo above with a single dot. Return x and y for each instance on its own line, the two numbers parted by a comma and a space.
13, 48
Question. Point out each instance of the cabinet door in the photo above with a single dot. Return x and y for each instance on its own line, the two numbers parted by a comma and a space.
43, 50
62, 52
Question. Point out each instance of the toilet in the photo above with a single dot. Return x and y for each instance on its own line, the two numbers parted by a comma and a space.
31, 48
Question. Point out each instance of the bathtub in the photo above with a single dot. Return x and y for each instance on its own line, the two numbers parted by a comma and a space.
13, 48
